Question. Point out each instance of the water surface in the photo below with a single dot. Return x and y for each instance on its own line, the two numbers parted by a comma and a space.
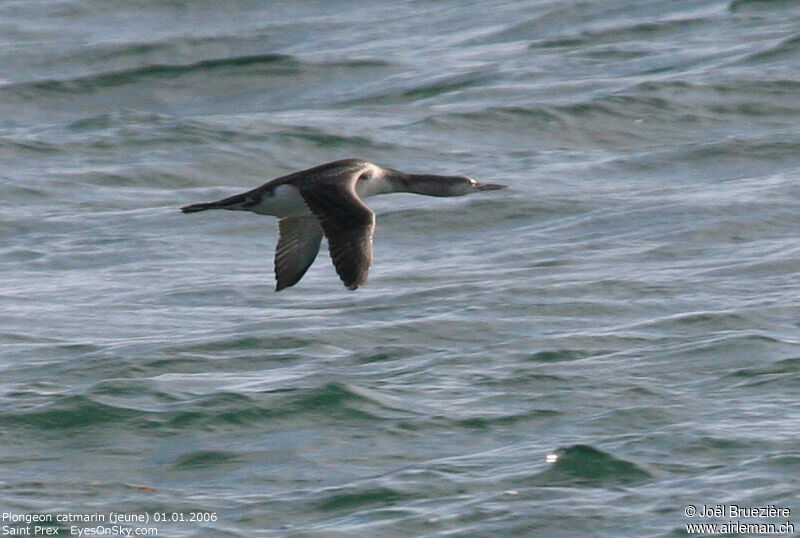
629, 305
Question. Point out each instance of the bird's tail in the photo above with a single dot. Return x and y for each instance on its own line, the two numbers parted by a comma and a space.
200, 207
238, 201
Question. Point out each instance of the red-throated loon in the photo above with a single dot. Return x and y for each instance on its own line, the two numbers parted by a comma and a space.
328, 199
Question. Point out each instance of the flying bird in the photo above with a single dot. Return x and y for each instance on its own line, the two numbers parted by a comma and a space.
328, 199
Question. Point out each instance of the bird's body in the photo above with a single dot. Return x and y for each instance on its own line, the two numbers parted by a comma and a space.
283, 201
327, 199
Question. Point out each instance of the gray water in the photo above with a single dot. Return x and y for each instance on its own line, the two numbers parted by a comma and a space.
610, 340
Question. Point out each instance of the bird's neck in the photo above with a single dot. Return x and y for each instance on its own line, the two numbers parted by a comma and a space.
383, 185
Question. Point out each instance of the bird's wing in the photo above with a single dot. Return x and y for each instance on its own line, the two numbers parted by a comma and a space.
348, 224
298, 244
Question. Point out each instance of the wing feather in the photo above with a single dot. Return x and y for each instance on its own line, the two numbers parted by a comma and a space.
348, 224
298, 244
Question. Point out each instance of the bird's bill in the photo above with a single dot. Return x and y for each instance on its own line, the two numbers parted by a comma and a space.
489, 186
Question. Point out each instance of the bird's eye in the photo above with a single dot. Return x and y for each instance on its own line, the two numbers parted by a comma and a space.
364, 176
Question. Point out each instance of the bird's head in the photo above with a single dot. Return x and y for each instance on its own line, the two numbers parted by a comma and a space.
435, 185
